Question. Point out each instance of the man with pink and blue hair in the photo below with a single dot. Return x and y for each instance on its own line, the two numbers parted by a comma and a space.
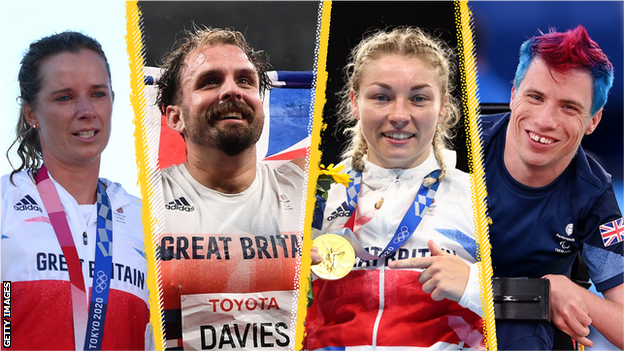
548, 200
561, 53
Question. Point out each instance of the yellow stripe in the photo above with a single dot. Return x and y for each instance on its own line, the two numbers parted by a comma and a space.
468, 74
137, 97
322, 40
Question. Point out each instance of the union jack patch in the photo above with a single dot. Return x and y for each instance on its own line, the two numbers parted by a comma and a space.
612, 232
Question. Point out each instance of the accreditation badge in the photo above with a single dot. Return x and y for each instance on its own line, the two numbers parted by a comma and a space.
338, 257
248, 321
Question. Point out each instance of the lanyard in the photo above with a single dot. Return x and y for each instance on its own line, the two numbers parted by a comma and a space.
411, 219
91, 324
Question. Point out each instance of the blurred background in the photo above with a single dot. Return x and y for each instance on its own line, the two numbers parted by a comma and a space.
21, 23
286, 30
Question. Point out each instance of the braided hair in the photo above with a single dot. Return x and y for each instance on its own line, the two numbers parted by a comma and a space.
407, 42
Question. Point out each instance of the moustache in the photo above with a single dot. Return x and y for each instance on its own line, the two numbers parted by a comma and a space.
229, 108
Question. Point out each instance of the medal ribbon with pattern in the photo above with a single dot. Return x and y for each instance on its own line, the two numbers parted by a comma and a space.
411, 219
91, 323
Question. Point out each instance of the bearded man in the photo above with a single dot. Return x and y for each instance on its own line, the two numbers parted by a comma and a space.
230, 250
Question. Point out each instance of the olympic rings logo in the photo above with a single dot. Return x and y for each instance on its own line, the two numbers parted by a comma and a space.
401, 236
101, 281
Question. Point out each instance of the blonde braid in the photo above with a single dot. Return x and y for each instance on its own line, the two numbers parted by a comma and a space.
438, 146
357, 148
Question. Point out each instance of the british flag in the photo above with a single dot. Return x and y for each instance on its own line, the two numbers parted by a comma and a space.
287, 120
612, 232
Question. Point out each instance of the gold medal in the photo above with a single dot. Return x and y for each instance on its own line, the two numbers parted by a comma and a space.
338, 257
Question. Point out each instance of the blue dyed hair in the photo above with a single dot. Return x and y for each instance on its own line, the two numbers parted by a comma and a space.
562, 52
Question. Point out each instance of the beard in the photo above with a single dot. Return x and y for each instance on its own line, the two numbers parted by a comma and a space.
229, 138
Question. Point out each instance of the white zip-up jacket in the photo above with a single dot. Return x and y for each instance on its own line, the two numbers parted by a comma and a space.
377, 308
34, 264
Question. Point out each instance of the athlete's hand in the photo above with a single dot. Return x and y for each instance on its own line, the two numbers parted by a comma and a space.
445, 275
568, 310
316, 257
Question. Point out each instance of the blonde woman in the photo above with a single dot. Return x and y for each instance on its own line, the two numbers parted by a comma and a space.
414, 283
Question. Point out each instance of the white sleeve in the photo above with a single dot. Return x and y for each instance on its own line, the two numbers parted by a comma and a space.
471, 299
150, 343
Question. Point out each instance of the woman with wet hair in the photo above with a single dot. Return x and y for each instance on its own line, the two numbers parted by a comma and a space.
407, 211
72, 243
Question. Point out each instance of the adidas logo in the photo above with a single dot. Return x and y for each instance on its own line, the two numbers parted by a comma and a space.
27, 203
180, 204
341, 211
